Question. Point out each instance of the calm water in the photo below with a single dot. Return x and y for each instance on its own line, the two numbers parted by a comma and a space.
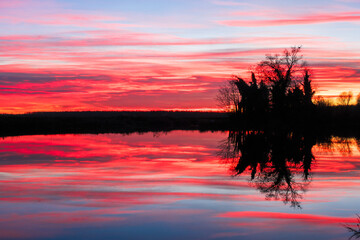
177, 185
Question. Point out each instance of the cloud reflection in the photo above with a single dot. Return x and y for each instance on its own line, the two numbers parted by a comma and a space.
70, 184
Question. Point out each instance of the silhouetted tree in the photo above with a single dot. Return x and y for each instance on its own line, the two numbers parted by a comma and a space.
280, 87
283, 72
358, 100
254, 98
228, 97
308, 91
344, 98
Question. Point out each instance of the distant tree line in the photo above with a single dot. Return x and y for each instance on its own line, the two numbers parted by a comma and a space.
343, 100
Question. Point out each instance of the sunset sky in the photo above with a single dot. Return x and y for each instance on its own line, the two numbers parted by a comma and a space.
72, 55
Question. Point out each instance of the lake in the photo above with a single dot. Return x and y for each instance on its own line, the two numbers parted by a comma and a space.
178, 185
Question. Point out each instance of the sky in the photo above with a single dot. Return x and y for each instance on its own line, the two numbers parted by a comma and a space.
79, 55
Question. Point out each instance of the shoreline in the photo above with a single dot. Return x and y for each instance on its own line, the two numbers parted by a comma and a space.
47, 123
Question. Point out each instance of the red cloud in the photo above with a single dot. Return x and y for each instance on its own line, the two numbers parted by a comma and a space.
67, 73
305, 218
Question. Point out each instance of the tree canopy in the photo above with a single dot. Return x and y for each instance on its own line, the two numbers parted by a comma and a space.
280, 86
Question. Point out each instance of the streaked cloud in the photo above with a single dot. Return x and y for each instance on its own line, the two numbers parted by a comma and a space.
118, 52
300, 20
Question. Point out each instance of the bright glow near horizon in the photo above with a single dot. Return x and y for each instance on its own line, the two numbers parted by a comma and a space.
67, 55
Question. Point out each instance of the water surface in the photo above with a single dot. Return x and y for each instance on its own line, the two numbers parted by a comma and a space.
176, 185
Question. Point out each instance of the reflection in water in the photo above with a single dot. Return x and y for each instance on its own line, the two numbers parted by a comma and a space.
354, 230
172, 186
342, 145
274, 162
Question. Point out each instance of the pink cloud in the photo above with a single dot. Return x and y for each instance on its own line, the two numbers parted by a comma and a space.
71, 19
14, 3
301, 20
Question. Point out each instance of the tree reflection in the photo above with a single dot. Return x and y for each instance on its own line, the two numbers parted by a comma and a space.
354, 229
279, 163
